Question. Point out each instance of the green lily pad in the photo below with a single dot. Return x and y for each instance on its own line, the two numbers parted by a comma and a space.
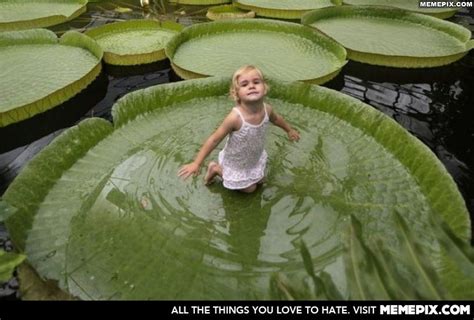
200, 2
284, 9
27, 14
392, 37
135, 41
42, 71
228, 12
442, 13
281, 49
8, 262
102, 211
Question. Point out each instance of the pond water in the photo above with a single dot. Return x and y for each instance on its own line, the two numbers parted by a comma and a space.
435, 105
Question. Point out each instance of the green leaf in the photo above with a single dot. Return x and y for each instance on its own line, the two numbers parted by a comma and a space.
135, 41
28, 14
200, 2
284, 9
8, 262
43, 71
228, 12
6, 211
391, 37
209, 49
410, 5
111, 219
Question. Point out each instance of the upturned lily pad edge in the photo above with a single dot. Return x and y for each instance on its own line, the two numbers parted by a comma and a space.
46, 21
70, 38
138, 24
435, 182
459, 32
250, 24
275, 13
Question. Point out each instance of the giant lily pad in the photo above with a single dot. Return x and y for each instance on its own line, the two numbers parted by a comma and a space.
40, 71
200, 2
102, 211
392, 37
410, 5
228, 11
281, 49
26, 14
134, 41
284, 9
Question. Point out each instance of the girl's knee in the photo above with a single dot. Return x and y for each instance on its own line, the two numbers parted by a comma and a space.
250, 189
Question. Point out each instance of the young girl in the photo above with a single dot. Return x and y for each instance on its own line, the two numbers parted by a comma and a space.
243, 159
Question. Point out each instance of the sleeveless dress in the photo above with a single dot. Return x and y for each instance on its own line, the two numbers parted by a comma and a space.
243, 158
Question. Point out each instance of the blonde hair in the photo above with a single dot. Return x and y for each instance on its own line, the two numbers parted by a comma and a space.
234, 86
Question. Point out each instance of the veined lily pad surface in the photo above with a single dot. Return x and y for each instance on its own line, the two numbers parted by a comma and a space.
410, 5
281, 49
392, 37
26, 14
284, 9
134, 41
40, 71
102, 211
228, 12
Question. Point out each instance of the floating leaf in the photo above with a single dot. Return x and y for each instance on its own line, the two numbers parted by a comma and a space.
200, 2
442, 13
292, 51
228, 12
392, 37
284, 9
8, 262
135, 41
42, 71
111, 219
27, 14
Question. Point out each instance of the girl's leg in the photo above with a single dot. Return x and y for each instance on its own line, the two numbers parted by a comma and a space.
250, 189
213, 169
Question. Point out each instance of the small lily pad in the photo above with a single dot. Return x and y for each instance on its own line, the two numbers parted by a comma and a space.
135, 41
284, 9
27, 14
42, 71
281, 49
392, 37
228, 12
410, 5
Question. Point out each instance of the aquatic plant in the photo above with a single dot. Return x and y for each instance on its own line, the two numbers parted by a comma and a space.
284, 9
42, 71
228, 12
392, 37
102, 211
281, 49
200, 2
442, 13
27, 14
134, 41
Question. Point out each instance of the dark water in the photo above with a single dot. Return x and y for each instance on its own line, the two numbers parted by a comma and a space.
435, 105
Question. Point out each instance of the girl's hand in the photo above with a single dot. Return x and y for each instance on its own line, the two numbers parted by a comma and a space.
293, 135
189, 169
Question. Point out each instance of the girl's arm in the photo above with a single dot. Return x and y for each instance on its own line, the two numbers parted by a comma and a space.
227, 126
279, 121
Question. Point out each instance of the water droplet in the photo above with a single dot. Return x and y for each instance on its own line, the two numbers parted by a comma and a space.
92, 278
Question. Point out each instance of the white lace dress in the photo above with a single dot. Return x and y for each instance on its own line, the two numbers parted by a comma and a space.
243, 158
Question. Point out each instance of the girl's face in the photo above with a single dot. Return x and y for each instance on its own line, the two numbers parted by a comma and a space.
250, 87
